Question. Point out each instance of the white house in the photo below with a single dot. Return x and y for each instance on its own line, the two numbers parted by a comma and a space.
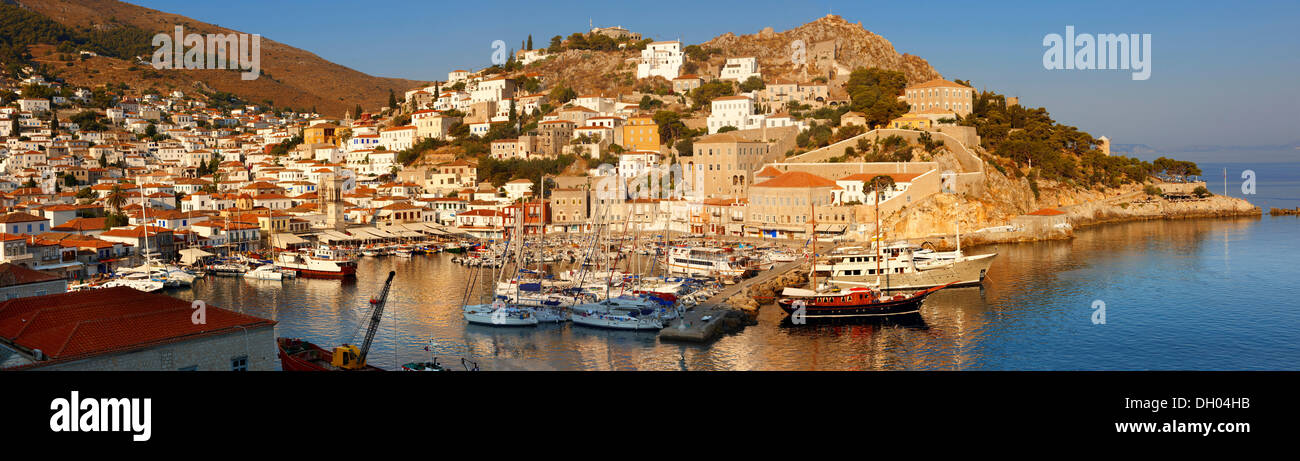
397, 138
660, 58
740, 69
518, 188
633, 163
737, 111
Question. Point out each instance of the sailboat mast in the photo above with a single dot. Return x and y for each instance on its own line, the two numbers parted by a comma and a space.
812, 234
875, 186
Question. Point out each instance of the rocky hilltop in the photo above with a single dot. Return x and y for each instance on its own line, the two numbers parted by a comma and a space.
833, 48
832, 44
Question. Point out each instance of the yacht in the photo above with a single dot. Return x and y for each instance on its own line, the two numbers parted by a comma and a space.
323, 262
499, 314
265, 272
724, 262
903, 267
616, 315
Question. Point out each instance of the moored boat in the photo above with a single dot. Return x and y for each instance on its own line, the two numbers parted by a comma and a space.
852, 302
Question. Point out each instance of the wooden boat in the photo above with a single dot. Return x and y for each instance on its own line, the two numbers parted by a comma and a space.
853, 302
300, 355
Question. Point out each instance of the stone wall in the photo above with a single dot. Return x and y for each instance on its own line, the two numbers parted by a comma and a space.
969, 162
209, 353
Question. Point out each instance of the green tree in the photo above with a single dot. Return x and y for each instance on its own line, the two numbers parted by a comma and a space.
392, 100
874, 92
116, 199
751, 84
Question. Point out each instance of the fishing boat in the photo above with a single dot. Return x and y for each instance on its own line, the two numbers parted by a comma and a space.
851, 302
323, 262
404, 252
300, 355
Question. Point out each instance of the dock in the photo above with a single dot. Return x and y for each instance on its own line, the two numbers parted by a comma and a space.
692, 326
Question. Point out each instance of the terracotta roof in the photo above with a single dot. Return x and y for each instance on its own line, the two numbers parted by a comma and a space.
82, 324
768, 172
797, 179
938, 83
81, 224
1046, 212
11, 275
18, 217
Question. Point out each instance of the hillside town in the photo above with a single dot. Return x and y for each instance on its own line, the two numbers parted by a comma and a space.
105, 178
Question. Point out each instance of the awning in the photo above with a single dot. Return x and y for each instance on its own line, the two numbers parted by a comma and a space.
283, 240
831, 228
365, 233
381, 233
192, 255
331, 236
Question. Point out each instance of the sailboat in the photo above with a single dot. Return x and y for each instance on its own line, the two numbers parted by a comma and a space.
498, 312
864, 301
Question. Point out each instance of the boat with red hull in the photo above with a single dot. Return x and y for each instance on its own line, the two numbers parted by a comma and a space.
300, 355
323, 262
853, 302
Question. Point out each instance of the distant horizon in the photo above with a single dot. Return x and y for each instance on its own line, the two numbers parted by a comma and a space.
1243, 96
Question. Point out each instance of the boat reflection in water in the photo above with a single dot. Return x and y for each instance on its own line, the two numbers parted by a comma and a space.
911, 321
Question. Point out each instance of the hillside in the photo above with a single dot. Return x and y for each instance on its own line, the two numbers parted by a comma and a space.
290, 76
830, 43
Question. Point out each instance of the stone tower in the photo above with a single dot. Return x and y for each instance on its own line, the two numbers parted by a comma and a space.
330, 197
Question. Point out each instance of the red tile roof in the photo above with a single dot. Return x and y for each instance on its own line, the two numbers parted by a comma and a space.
797, 179
1046, 212
78, 325
11, 275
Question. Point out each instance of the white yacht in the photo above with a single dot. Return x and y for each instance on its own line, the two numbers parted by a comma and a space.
265, 272
903, 267
724, 262
499, 314
616, 317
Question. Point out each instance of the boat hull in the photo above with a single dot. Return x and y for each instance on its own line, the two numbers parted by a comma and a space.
299, 355
884, 307
344, 272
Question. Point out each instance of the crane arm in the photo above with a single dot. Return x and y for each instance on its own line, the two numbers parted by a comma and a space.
377, 313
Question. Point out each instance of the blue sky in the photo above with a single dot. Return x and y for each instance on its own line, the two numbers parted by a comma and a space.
1223, 73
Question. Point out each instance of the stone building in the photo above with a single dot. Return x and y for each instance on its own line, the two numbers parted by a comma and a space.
121, 329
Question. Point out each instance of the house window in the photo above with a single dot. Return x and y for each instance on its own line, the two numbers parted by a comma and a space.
239, 363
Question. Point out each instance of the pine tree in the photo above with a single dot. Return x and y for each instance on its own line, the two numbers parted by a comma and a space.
529, 47
356, 112
392, 99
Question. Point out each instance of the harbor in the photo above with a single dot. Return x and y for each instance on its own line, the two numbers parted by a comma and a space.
1040, 291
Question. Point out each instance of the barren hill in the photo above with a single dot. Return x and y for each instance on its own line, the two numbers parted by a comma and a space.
828, 41
290, 76
832, 48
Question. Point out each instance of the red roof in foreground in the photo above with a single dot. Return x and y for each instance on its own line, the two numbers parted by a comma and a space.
11, 275
82, 324
1046, 212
